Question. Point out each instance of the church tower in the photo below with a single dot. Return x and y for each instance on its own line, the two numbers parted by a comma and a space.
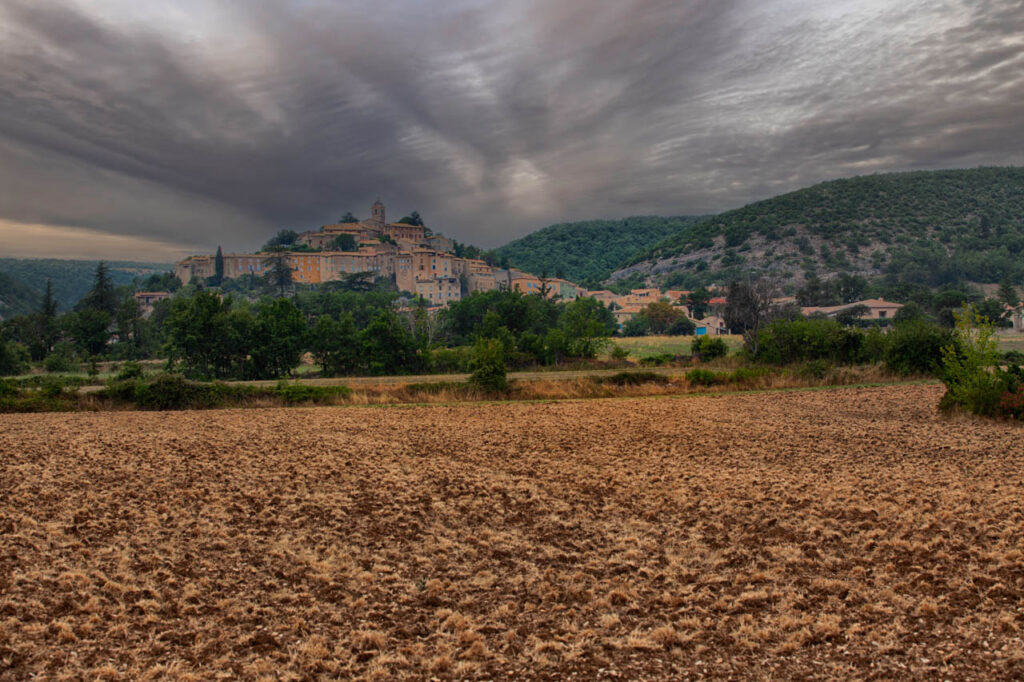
377, 213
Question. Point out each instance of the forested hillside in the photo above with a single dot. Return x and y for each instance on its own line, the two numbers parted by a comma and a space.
589, 251
928, 227
22, 281
16, 298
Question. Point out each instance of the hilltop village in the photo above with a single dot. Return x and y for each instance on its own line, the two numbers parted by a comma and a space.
416, 260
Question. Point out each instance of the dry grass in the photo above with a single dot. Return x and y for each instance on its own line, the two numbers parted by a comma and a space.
828, 534
587, 387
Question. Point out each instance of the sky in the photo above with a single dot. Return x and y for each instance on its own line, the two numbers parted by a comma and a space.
153, 130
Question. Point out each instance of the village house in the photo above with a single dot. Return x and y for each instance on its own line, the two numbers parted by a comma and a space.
147, 299
1016, 316
875, 309
712, 325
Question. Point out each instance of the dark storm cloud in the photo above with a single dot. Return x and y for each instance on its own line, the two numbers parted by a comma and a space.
213, 122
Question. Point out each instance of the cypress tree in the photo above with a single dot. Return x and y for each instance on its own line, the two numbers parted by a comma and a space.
48, 319
218, 265
102, 296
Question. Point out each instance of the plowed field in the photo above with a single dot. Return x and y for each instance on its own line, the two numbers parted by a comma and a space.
820, 534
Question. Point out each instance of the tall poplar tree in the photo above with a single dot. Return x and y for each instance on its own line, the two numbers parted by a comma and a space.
218, 266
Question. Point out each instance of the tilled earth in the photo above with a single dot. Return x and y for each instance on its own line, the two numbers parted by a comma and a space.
818, 534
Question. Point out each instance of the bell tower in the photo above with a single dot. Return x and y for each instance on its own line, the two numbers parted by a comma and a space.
377, 213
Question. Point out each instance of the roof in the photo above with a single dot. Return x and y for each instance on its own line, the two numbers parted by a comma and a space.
869, 303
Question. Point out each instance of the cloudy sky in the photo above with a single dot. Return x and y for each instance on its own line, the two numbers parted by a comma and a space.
154, 129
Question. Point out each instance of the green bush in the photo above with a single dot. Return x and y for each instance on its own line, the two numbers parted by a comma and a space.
814, 369
450, 360
748, 375
61, 359
619, 353
14, 358
973, 382
709, 347
130, 370
635, 378
785, 342
703, 377
488, 366
915, 347
657, 360
8, 389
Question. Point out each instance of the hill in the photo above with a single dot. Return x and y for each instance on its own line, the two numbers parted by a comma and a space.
589, 251
926, 227
23, 280
16, 298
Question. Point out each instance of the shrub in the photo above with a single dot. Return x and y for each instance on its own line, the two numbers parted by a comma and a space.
747, 375
814, 369
619, 353
488, 366
915, 347
61, 359
1011, 404
787, 341
130, 370
14, 358
1013, 357
703, 377
8, 389
53, 387
972, 383
635, 378
709, 348
657, 360
449, 360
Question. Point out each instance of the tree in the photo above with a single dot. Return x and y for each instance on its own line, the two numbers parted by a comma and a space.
967, 365
387, 346
348, 218
487, 364
204, 336
588, 325
343, 242
661, 316
102, 296
698, 302
49, 328
91, 330
129, 327
279, 336
1008, 293
281, 239
545, 284
355, 281
335, 344
279, 269
749, 306
850, 316
993, 310
412, 219
218, 267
